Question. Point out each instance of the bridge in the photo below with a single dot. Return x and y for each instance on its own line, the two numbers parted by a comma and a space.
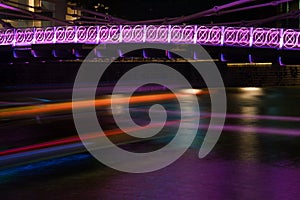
225, 43
274, 38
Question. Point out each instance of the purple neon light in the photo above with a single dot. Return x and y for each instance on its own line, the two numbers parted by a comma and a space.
253, 129
2, 5
188, 34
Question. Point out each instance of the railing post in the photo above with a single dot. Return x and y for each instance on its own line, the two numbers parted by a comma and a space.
222, 35
14, 37
54, 35
121, 34
76, 35
251, 37
195, 34
33, 32
144, 33
281, 39
98, 34
169, 34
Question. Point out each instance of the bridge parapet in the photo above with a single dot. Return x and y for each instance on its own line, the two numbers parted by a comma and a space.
277, 38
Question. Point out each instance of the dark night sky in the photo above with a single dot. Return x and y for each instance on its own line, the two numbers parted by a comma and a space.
136, 10
152, 9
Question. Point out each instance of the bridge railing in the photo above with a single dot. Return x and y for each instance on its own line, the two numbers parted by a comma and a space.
192, 34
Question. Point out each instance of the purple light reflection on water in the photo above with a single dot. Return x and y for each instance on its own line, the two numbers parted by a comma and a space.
247, 128
263, 117
252, 129
240, 116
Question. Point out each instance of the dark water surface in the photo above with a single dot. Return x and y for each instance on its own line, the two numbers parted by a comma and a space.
256, 157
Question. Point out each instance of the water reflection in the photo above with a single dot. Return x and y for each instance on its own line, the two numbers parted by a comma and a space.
257, 157
247, 140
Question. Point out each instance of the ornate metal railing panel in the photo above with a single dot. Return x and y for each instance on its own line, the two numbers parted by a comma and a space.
277, 38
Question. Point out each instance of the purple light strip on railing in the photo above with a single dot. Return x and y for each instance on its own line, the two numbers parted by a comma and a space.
275, 38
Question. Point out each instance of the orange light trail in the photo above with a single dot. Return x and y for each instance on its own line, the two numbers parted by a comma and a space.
73, 139
86, 137
65, 106
54, 107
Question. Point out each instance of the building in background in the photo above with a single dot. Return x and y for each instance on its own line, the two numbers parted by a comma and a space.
25, 16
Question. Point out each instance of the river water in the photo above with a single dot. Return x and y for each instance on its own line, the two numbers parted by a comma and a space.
256, 157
